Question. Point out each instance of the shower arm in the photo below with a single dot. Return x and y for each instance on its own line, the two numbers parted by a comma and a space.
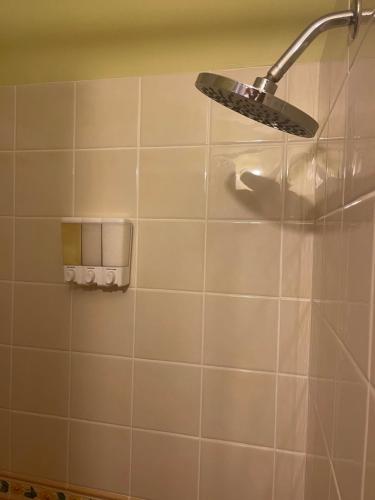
327, 22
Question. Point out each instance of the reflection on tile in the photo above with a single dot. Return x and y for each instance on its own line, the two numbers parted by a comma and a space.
167, 397
243, 258
294, 337
43, 437
6, 183
172, 183
174, 117
238, 406
227, 469
349, 428
290, 476
370, 459
297, 260
240, 332
260, 196
107, 113
99, 456
358, 237
292, 413
44, 184
299, 189
229, 126
168, 326
164, 466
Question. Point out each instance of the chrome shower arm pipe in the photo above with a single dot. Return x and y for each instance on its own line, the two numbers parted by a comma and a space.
324, 23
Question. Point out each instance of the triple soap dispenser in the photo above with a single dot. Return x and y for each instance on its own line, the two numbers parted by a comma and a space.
97, 252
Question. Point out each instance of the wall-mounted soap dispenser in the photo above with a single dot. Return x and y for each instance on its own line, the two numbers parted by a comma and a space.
97, 252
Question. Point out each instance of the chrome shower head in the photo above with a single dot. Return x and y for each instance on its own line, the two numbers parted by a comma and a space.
257, 101
253, 102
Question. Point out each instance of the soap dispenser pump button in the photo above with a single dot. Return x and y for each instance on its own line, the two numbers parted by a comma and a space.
90, 276
110, 278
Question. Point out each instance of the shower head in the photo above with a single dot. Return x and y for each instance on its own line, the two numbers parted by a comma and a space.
257, 101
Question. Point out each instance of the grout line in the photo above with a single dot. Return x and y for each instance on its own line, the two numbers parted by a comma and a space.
207, 177
13, 305
71, 298
135, 271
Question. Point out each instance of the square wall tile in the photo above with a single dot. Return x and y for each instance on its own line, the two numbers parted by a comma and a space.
297, 260
172, 183
103, 322
262, 172
239, 406
349, 427
4, 376
229, 126
173, 111
44, 185
6, 183
42, 316
6, 249
107, 113
38, 253
167, 397
303, 87
43, 437
5, 440
370, 458
7, 108
292, 399
164, 467
45, 114
318, 477
100, 388
228, 470
171, 255
290, 476
168, 326
241, 332
294, 337
105, 183
5, 312
243, 258
300, 185
358, 227
99, 457
32, 389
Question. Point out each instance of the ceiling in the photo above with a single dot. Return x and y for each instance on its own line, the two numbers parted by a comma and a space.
38, 32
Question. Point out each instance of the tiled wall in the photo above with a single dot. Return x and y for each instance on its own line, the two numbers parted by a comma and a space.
193, 383
341, 422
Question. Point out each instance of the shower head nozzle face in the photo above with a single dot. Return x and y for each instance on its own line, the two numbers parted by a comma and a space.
254, 103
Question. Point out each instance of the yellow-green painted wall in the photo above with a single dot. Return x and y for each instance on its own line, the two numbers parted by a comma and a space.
50, 40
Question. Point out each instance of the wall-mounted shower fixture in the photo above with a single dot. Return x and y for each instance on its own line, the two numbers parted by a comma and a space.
258, 101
